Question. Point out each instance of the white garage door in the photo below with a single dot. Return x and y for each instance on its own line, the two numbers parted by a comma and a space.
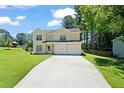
67, 49
60, 49
73, 49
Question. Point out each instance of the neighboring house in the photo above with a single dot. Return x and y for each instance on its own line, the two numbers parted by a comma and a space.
14, 44
62, 41
118, 47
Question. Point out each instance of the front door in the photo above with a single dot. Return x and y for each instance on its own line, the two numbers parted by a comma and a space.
49, 49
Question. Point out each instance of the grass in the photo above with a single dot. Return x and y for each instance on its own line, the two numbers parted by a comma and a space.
111, 68
15, 64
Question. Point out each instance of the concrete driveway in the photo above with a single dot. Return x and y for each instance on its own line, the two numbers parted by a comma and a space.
64, 72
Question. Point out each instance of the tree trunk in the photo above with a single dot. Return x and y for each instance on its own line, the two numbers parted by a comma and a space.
87, 40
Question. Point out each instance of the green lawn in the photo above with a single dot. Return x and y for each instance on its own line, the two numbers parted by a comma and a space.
15, 64
111, 68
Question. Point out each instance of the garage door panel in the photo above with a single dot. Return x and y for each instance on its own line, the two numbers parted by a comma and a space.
60, 49
67, 49
73, 49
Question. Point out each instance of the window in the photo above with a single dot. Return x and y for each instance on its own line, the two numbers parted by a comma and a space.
38, 37
50, 37
62, 37
39, 48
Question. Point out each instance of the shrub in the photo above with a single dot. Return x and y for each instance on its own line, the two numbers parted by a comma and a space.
28, 47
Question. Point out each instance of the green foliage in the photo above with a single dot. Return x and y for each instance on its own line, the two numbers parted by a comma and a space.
121, 38
7, 43
78, 17
68, 22
29, 43
111, 68
25, 40
15, 63
21, 38
28, 46
121, 67
100, 24
117, 25
5, 37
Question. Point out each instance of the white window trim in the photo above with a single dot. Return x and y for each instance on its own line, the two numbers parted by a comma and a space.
61, 38
37, 39
38, 49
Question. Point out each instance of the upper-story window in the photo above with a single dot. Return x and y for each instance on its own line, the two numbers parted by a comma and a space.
50, 37
38, 37
62, 37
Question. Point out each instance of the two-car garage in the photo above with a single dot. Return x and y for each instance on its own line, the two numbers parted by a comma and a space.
67, 49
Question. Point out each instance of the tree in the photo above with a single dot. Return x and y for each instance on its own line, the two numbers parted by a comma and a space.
79, 20
21, 38
100, 24
29, 38
7, 44
28, 46
68, 22
78, 16
117, 22
86, 15
4, 37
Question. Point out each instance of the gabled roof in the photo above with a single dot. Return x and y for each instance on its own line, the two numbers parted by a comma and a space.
14, 42
120, 38
74, 30
50, 31
37, 30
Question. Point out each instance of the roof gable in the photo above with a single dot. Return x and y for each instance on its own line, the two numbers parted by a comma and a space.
38, 30
62, 30
74, 30
120, 38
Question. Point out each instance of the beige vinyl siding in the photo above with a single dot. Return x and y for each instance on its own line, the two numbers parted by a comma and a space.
43, 50
55, 36
75, 36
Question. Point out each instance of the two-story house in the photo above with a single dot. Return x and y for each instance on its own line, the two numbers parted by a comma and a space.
62, 41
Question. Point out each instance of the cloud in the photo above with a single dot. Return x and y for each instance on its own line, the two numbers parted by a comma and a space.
23, 6
61, 13
16, 6
20, 17
55, 22
14, 23
29, 32
8, 21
